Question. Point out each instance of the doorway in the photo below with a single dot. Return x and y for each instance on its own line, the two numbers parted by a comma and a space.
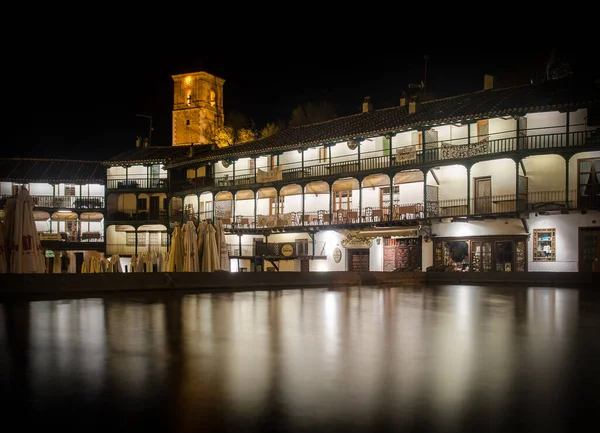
589, 249
358, 260
154, 207
483, 195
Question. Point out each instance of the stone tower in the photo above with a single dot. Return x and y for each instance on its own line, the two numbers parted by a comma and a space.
197, 107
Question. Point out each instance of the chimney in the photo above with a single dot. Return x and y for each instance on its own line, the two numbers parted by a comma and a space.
145, 143
403, 99
138, 141
367, 106
488, 82
413, 107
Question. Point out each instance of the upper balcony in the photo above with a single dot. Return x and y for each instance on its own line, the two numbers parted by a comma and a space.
402, 158
55, 202
137, 183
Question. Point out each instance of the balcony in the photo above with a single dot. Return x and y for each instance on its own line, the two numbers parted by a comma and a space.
160, 216
157, 184
409, 158
52, 202
88, 240
407, 214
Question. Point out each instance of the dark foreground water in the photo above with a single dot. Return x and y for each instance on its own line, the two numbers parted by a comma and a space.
409, 359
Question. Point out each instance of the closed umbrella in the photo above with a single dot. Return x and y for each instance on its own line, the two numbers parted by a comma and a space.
223, 249
176, 252
27, 255
210, 255
191, 263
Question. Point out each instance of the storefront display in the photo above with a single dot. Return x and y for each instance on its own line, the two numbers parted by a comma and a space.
544, 245
481, 254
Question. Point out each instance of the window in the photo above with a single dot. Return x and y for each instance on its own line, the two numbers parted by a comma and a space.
482, 130
130, 239
70, 191
17, 187
387, 146
154, 240
342, 200
273, 205
417, 140
384, 198
323, 154
187, 121
301, 247
142, 204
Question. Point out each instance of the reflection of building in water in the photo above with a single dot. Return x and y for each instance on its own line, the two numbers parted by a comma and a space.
68, 340
136, 337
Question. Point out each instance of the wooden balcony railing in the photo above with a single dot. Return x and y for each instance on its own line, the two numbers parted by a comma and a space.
137, 183
438, 152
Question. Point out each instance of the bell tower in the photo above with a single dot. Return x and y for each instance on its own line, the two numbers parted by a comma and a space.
197, 108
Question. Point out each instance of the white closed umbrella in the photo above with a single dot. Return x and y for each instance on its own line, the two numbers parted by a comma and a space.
191, 262
223, 249
210, 254
27, 254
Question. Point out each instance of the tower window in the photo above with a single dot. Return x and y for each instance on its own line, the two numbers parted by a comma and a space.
187, 121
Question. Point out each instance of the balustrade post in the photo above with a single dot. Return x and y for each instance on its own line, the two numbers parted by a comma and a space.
468, 190
567, 158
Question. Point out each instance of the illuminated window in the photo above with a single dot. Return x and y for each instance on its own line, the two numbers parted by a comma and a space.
70, 190
189, 97
482, 130
417, 140
342, 200
213, 96
273, 205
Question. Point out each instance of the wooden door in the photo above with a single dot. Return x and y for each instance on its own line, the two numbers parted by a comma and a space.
483, 195
154, 207
589, 249
358, 260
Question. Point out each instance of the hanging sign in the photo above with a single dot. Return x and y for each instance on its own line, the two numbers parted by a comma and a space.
337, 255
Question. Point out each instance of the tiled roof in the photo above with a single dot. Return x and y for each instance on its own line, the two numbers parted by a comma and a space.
52, 171
150, 155
562, 94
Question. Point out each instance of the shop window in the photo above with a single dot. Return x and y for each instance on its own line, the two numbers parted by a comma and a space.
544, 245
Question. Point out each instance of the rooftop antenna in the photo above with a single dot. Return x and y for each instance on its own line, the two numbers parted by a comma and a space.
425, 57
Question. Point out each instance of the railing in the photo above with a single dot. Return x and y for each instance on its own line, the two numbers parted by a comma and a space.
64, 202
86, 236
137, 215
128, 250
299, 249
137, 183
435, 152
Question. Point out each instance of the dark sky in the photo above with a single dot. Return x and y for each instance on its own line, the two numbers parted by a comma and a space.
76, 95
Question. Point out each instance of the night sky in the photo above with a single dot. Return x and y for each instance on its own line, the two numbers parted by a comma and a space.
81, 103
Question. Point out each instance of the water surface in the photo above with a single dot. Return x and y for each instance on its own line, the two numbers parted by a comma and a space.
408, 359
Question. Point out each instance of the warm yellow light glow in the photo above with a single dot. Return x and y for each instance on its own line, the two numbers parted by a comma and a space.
188, 80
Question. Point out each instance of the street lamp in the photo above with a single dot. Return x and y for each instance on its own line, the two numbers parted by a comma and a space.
150, 132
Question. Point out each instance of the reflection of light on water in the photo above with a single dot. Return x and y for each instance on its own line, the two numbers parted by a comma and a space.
330, 322
68, 337
454, 367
